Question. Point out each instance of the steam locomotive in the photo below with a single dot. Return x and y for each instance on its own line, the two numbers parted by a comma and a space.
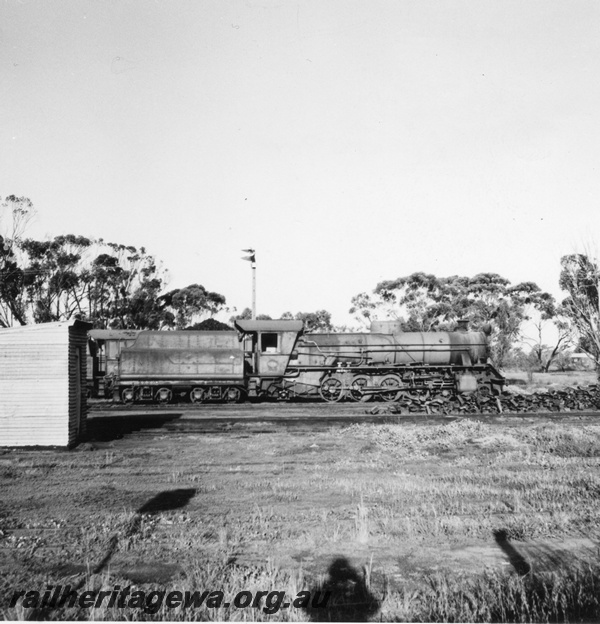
265, 359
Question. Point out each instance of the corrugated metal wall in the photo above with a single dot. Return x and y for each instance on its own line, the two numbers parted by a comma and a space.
77, 382
38, 400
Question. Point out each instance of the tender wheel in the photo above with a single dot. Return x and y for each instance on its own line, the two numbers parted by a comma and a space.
163, 395
198, 395
331, 390
232, 395
392, 383
127, 395
357, 389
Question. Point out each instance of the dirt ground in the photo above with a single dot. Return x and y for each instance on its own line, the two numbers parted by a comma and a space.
256, 497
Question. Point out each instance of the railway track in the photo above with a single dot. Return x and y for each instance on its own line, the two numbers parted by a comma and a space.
107, 422
430, 402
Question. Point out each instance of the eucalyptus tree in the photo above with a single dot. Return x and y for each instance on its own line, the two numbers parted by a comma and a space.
15, 215
580, 278
424, 302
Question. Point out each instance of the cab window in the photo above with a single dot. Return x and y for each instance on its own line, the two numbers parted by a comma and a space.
268, 343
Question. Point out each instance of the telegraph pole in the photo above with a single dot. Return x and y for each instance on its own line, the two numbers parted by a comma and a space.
252, 259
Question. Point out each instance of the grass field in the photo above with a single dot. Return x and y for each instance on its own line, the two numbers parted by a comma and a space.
464, 520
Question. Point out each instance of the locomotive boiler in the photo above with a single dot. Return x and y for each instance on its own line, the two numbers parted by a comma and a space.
384, 363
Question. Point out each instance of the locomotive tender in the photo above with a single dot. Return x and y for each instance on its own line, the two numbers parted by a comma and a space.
277, 360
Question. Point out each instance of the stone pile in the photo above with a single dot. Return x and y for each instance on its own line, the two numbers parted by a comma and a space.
512, 400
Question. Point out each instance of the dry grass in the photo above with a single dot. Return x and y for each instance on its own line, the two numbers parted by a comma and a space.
398, 522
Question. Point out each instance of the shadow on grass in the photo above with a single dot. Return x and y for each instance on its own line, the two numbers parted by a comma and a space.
565, 595
163, 501
518, 562
343, 597
168, 500
108, 428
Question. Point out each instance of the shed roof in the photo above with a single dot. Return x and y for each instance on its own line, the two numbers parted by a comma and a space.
44, 327
581, 356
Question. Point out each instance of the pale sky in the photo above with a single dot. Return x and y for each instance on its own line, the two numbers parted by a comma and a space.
347, 142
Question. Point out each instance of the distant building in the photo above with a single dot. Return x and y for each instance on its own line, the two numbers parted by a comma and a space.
582, 361
43, 384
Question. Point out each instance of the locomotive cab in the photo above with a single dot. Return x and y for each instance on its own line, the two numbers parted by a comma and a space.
104, 349
268, 346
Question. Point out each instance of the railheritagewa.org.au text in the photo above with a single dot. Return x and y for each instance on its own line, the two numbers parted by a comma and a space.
59, 596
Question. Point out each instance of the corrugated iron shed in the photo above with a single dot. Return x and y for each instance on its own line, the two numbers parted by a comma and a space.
43, 384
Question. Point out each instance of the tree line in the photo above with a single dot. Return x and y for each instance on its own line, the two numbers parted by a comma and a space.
425, 302
120, 286
108, 284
